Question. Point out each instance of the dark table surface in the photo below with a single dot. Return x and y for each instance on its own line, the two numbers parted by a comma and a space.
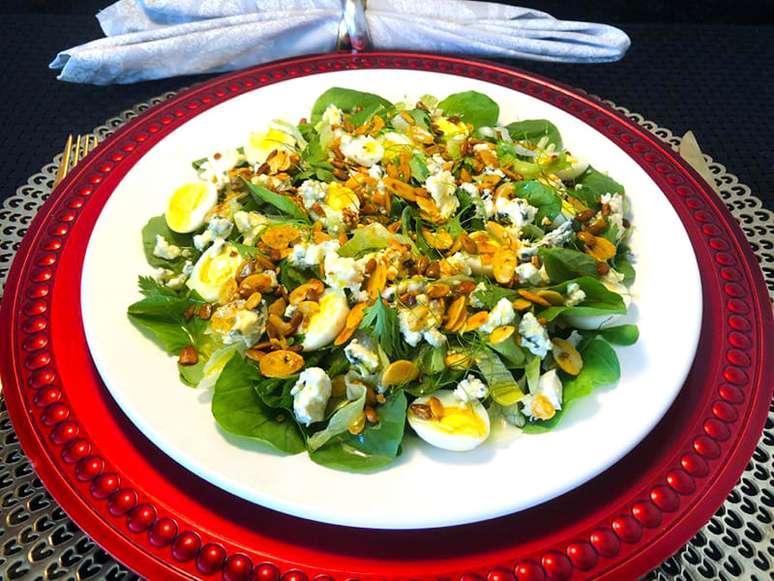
714, 79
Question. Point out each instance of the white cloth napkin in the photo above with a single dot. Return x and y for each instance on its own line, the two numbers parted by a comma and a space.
151, 39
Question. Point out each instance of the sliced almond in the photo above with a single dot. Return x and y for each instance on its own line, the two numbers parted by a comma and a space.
282, 363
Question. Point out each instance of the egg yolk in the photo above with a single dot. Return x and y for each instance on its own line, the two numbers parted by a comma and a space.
461, 421
183, 202
340, 197
450, 129
217, 269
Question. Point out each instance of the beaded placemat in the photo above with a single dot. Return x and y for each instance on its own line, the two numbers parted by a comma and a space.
39, 541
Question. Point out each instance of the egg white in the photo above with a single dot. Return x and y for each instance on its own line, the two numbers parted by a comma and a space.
431, 432
328, 322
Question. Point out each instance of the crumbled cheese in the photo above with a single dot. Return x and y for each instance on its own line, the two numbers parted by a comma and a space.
471, 389
308, 255
575, 295
441, 187
458, 263
501, 314
312, 192
376, 171
434, 337
310, 395
408, 323
363, 149
203, 240
436, 164
474, 300
342, 272
549, 389
164, 249
616, 216
528, 274
332, 115
518, 211
217, 227
250, 225
359, 355
177, 282
534, 336
575, 338
215, 168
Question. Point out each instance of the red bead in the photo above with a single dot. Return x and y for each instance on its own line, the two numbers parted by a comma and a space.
605, 542
739, 341
582, 555
730, 274
210, 558
738, 307
55, 414
718, 244
237, 568
163, 532
106, 167
60, 230
153, 129
294, 575
702, 216
716, 430
53, 244
75, 203
41, 378
739, 323
35, 308
738, 358
266, 572
46, 260
731, 393
628, 529
46, 396
647, 514
95, 179
529, 571
35, 325
735, 375
681, 481
122, 501
105, 484
500, 575
89, 468
129, 147
710, 230
557, 566
38, 360
117, 156
706, 447
35, 342
725, 259
186, 546
140, 137
734, 290
694, 465
38, 291
724, 411
41, 275
141, 518
64, 432
76, 450
665, 498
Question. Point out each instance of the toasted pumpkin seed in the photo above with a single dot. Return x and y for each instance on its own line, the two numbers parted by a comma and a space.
504, 265
454, 313
500, 334
438, 290
311, 289
475, 321
377, 281
436, 408
602, 249
566, 356
278, 307
188, 356
398, 372
421, 410
282, 363
280, 237
551, 296
458, 360
532, 297
521, 304
358, 425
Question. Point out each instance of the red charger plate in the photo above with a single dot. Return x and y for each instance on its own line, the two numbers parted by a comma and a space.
164, 522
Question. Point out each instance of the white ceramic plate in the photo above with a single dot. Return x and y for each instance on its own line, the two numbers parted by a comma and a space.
426, 487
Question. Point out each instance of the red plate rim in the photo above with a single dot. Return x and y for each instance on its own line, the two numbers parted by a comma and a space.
162, 522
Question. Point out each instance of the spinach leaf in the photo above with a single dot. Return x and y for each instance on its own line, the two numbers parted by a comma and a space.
564, 263
430, 383
275, 392
346, 100
531, 232
283, 203
545, 199
533, 130
238, 409
472, 107
421, 117
158, 225
623, 265
621, 335
599, 300
592, 184
600, 367
375, 447
290, 276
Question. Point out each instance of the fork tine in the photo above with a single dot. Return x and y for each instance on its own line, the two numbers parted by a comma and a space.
77, 157
61, 172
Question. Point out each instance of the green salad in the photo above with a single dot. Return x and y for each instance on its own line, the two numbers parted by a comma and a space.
382, 268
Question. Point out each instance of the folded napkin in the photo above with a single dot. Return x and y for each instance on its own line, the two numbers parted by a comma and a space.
151, 39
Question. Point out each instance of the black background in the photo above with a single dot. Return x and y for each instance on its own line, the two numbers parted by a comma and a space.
705, 66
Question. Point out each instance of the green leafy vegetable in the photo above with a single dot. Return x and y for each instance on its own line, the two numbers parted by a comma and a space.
492, 293
508, 157
599, 300
314, 160
592, 184
621, 335
418, 168
623, 265
510, 352
283, 203
290, 276
381, 322
600, 367
502, 385
340, 421
472, 107
564, 263
545, 199
374, 448
533, 130
372, 237
346, 100
238, 409
158, 225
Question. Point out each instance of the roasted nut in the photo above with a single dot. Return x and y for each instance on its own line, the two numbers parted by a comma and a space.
433, 270
253, 301
598, 226
278, 307
551, 296
475, 321
504, 265
602, 249
436, 408
399, 372
603, 268
282, 363
280, 237
421, 410
377, 281
310, 290
228, 292
188, 356
358, 425
458, 360
467, 244
371, 416
455, 313
566, 356
584, 216
204, 311
466, 287
438, 290
521, 304
255, 354
259, 283
500, 334
534, 298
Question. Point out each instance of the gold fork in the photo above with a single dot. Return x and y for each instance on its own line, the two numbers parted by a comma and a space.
72, 154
